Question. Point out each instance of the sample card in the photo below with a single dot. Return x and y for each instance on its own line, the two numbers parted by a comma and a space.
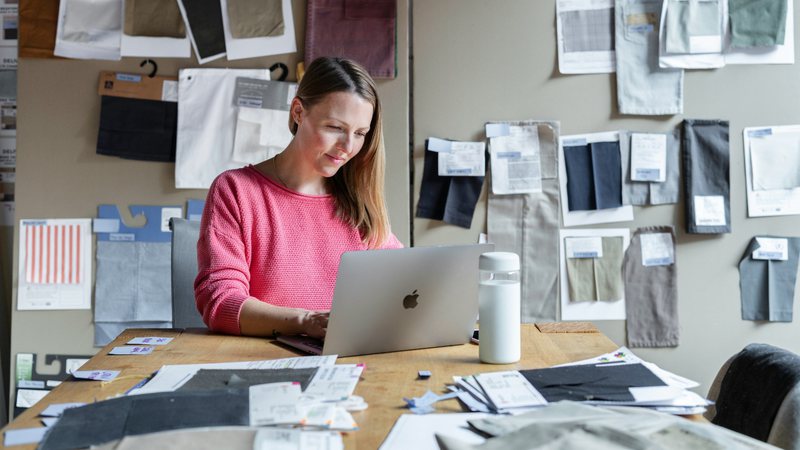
657, 249
335, 382
131, 350
772, 158
585, 36
275, 403
584, 247
648, 157
515, 159
150, 341
458, 158
55, 264
772, 249
709, 210
509, 390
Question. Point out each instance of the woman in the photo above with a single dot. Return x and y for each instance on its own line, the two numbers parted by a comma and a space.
272, 234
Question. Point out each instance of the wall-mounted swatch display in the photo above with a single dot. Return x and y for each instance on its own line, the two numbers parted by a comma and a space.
207, 118
451, 198
203, 19
651, 163
590, 179
527, 224
767, 277
691, 34
138, 116
651, 288
757, 23
154, 28
772, 170
642, 86
89, 29
593, 268
265, 28
361, 30
591, 273
515, 157
585, 33
706, 180
38, 21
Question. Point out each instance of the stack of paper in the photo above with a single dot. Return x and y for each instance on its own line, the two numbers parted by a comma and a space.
618, 378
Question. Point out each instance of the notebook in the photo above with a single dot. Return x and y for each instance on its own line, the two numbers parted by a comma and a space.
400, 299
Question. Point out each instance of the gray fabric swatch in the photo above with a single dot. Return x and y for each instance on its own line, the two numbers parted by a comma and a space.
184, 270
756, 23
206, 379
767, 286
642, 86
648, 192
689, 18
597, 278
651, 296
706, 169
527, 224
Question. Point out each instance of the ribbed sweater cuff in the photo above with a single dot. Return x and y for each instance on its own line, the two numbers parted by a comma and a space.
226, 317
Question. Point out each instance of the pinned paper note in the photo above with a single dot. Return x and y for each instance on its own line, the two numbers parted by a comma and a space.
150, 341
657, 249
648, 157
772, 249
584, 247
709, 210
131, 350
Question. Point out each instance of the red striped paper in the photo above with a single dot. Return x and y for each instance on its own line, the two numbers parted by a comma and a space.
53, 254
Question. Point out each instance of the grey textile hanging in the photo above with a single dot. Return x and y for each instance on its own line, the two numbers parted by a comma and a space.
706, 174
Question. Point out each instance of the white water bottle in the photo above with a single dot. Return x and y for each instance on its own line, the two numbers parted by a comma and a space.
499, 308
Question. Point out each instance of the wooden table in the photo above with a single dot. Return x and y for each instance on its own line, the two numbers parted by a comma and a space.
388, 377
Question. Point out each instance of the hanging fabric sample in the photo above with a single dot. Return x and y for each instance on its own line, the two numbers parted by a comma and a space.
361, 30
447, 197
651, 165
262, 124
38, 21
89, 29
585, 35
757, 23
270, 22
764, 54
706, 181
527, 224
134, 279
651, 288
590, 264
138, 116
772, 159
642, 86
203, 19
207, 124
154, 28
594, 275
767, 276
691, 34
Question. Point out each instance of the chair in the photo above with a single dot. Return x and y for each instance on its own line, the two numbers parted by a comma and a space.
766, 372
184, 270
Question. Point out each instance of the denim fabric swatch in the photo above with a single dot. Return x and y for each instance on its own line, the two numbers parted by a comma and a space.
651, 296
706, 168
449, 199
205, 20
648, 192
642, 86
767, 286
133, 128
757, 23
527, 224
255, 18
594, 176
600, 279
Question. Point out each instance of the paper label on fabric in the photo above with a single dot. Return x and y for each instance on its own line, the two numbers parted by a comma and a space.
168, 213
30, 384
516, 163
574, 142
709, 210
131, 350
265, 94
275, 403
773, 249
497, 130
169, 91
584, 247
122, 237
439, 145
105, 225
760, 133
657, 249
464, 159
509, 390
129, 77
648, 157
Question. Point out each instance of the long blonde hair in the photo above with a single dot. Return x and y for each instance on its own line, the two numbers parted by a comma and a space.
357, 187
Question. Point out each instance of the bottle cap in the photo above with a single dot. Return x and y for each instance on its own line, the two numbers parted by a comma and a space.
499, 261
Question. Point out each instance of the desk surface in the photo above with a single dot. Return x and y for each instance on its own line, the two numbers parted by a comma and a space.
388, 377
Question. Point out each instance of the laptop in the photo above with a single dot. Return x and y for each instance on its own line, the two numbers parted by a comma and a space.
400, 299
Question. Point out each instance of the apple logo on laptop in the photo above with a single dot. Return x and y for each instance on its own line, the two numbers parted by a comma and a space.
410, 300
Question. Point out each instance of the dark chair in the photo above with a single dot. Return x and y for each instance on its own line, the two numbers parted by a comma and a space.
184, 271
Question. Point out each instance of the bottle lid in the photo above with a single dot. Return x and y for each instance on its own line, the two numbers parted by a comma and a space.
499, 261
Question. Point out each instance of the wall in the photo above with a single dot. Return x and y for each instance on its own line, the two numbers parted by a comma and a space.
60, 175
477, 61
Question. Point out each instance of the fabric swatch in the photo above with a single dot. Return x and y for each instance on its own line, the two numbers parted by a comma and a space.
153, 18
706, 180
449, 199
588, 30
255, 18
137, 129
205, 21
767, 286
597, 278
594, 176
38, 22
757, 23
650, 192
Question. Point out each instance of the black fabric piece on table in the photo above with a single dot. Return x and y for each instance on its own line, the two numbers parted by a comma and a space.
244, 378
137, 129
205, 22
132, 415
591, 382
607, 174
753, 388
449, 199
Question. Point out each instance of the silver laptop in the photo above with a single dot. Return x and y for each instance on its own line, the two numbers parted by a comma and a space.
392, 300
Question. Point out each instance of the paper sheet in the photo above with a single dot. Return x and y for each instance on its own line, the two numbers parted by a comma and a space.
55, 264
770, 202
459, 158
260, 46
92, 31
412, 431
648, 157
573, 218
605, 310
515, 159
775, 161
585, 36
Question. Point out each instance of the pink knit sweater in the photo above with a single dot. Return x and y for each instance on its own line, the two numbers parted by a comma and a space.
260, 239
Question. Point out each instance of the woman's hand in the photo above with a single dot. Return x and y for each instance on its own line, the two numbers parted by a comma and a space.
315, 323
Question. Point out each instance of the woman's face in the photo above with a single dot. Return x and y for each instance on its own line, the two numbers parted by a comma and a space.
333, 131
